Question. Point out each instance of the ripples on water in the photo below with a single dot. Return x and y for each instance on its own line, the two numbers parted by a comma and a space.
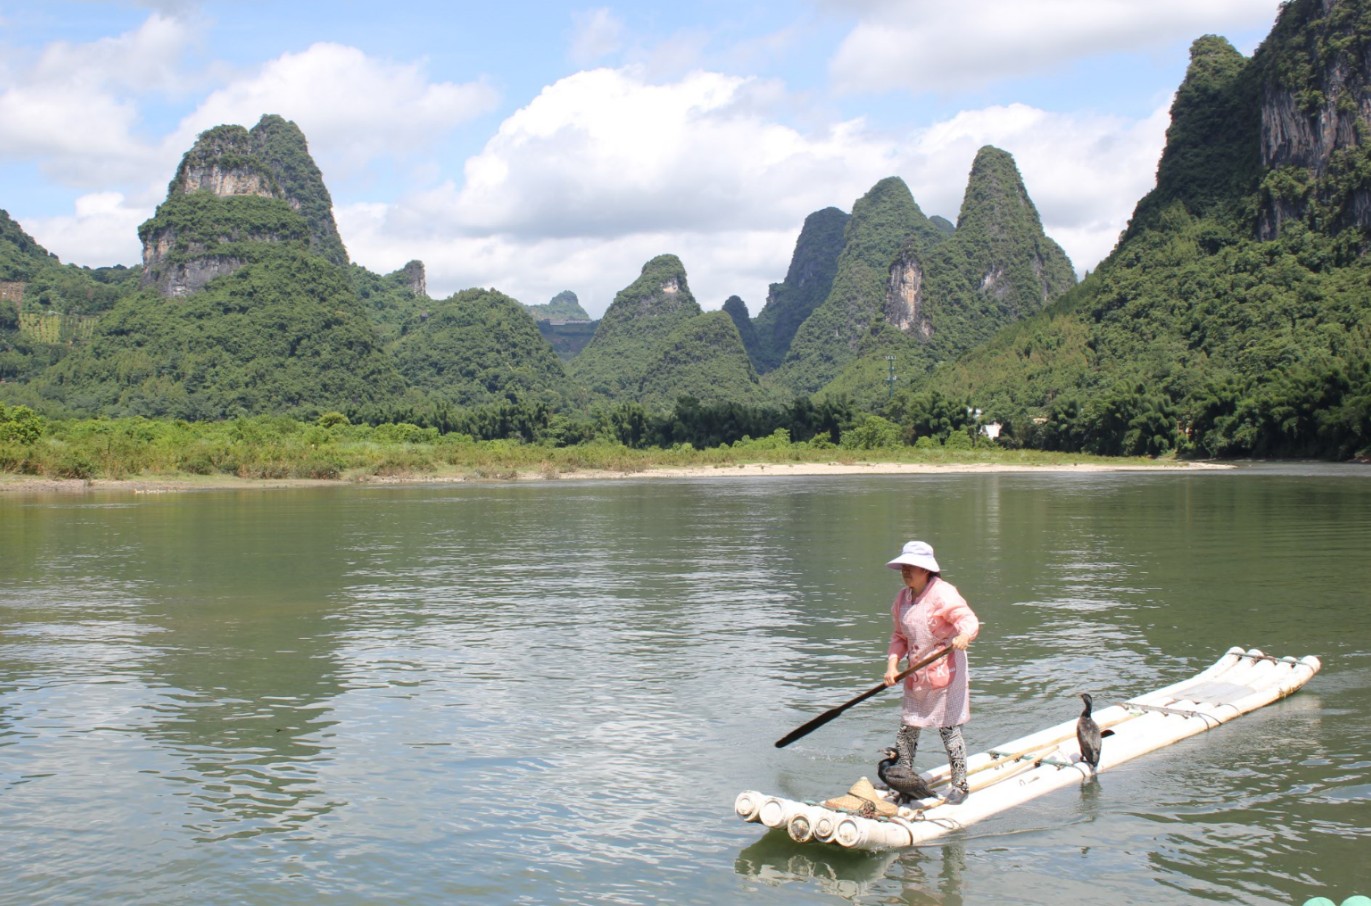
544, 693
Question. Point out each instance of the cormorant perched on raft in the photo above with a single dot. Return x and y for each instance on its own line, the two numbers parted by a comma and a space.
905, 781
1089, 736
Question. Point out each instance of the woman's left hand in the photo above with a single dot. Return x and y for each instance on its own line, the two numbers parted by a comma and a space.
961, 642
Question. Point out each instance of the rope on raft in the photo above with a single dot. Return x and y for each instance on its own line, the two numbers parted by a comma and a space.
1181, 712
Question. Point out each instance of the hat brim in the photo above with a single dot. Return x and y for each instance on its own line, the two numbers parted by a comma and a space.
927, 563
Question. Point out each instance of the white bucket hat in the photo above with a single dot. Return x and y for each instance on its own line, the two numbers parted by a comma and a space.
916, 553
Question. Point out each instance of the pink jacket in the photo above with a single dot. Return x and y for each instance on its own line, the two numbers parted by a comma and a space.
946, 615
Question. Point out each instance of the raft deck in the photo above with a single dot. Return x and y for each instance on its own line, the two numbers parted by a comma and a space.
1031, 766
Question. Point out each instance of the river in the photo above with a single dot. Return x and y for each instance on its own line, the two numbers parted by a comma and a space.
550, 692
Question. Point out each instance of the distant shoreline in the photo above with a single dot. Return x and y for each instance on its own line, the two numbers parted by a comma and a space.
27, 485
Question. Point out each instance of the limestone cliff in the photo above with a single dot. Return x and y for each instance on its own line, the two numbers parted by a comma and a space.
224, 162
415, 278
904, 296
235, 188
1315, 74
1287, 126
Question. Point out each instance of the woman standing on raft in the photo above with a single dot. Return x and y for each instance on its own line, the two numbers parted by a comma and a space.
929, 613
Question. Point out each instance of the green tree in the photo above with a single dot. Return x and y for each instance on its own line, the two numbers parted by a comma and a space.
872, 433
20, 424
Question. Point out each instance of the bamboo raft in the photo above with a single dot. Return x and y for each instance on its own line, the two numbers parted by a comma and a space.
1031, 766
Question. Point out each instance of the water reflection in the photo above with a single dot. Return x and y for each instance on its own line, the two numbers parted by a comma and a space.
518, 693
776, 860
212, 683
925, 875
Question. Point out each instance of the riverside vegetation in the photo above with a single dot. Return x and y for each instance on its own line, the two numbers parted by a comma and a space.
1231, 320
508, 442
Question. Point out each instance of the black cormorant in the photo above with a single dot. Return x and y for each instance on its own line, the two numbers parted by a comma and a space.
903, 780
1088, 735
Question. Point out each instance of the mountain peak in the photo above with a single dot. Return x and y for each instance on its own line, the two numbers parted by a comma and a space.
615, 362
224, 162
281, 145
882, 222
660, 291
237, 186
1211, 153
995, 198
1000, 238
563, 307
807, 282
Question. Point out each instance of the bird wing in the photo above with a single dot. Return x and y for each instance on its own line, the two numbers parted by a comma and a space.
1088, 735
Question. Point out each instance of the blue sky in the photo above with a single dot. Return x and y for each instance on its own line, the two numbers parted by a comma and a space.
541, 146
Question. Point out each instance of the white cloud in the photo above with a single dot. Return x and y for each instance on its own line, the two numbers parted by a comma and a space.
604, 170
353, 108
598, 33
949, 47
605, 152
601, 171
75, 113
144, 60
71, 138
101, 230
1084, 173
74, 110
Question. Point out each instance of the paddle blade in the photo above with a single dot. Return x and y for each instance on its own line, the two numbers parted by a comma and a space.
810, 727
816, 723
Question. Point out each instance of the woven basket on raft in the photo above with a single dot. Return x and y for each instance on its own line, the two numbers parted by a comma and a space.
862, 799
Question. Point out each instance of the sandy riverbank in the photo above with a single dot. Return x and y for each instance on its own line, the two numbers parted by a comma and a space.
21, 484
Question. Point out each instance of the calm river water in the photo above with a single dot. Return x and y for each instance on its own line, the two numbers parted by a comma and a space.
551, 692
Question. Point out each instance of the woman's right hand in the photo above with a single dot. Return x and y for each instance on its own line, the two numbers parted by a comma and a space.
892, 668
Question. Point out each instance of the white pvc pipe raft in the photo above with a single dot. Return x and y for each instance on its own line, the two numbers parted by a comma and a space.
1033, 765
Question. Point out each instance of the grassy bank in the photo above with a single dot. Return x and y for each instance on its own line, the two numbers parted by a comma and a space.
274, 448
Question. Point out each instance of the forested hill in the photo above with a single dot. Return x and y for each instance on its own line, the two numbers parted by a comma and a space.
942, 300
480, 347
655, 344
20, 256
47, 306
246, 304
882, 222
1234, 317
906, 292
